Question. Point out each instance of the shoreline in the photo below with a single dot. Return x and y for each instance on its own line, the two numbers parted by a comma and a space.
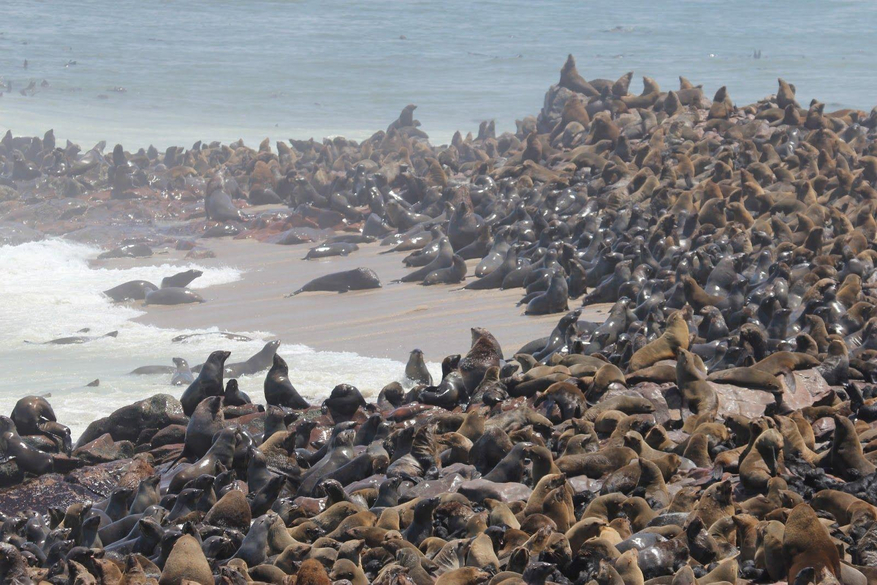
382, 323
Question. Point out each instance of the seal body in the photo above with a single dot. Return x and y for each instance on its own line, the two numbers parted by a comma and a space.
279, 391
356, 279
173, 296
208, 382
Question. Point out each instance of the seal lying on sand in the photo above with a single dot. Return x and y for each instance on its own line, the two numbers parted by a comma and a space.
356, 279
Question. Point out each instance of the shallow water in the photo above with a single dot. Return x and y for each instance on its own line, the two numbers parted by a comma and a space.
220, 70
49, 291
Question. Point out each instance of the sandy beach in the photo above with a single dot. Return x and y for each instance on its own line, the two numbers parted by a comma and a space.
387, 322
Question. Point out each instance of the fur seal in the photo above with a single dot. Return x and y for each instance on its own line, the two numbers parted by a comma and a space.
279, 391
260, 361
218, 206
341, 282
343, 402
208, 382
415, 369
484, 353
133, 290
186, 562
674, 338
180, 279
182, 373
807, 544
554, 300
173, 296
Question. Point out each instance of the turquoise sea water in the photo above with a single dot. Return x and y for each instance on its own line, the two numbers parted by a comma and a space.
222, 69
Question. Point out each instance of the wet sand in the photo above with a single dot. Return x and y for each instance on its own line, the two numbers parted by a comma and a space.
387, 322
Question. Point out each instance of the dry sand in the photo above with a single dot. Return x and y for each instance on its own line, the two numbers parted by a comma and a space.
387, 322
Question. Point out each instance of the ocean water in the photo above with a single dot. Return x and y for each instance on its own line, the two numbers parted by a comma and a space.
176, 71
49, 291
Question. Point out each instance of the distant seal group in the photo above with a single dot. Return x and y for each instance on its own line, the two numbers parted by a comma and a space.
717, 427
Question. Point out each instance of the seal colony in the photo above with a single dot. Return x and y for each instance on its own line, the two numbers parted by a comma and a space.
718, 427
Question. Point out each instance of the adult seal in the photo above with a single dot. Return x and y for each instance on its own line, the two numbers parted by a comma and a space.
415, 369
180, 279
484, 354
257, 363
219, 207
279, 391
173, 296
329, 250
208, 382
343, 402
554, 300
453, 274
182, 374
133, 290
356, 279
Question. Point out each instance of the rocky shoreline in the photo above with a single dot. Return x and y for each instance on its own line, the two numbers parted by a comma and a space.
718, 426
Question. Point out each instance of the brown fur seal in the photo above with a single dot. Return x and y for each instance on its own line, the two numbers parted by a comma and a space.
279, 391
846, 451
596, 465
674, 338
186, 562
697, 394
484, 354
807, 544
570, 79
312, 572
208, 383
748, 378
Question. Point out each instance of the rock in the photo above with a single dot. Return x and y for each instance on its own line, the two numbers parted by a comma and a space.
435, 487
552, 108
809, 387
103, 478
168, 436
8, 193
104, 449
200, 254
42, 493
14, 234
125, 424
136, 471
167, 452
10, 473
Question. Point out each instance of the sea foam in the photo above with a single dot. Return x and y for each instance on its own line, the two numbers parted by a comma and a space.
48, 290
